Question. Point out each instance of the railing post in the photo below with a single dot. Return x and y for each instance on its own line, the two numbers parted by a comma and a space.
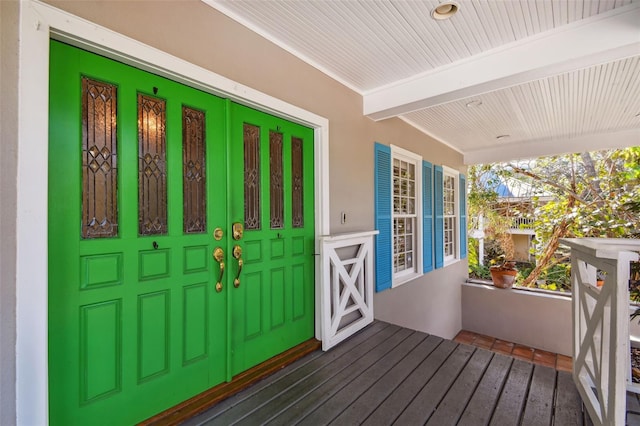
601, 324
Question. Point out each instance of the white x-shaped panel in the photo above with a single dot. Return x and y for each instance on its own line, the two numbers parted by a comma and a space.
347, 286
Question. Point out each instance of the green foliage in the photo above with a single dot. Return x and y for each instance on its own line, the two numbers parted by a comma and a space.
554, 278
476, 270
558, 275
595, 194
482, 201
601, 184
480, 272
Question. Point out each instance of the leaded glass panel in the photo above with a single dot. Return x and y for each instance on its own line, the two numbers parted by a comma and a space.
297, 200
193, 163
99, 160
251, 135
276, 189
152, 174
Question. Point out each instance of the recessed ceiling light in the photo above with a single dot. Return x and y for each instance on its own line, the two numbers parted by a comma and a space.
444, 10
474, 103
502, 137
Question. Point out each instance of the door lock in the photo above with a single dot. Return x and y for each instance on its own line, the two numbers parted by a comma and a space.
238, 231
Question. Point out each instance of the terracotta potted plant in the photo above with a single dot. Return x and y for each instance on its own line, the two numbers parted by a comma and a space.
504, 275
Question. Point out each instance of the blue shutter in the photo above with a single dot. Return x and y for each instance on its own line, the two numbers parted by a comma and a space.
462, 189
427, 216
382, 170
438, 224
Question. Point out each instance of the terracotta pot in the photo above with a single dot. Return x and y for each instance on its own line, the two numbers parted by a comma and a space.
503, 278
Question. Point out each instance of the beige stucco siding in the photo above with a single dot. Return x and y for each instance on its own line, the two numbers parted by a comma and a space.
8, 147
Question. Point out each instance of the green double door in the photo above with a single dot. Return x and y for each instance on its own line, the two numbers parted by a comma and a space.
181, 240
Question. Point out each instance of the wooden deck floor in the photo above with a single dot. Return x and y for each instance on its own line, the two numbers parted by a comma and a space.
391, 375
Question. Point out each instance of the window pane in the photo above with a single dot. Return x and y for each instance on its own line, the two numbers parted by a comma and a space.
99, 160
297, 201
152, 150
449, 196
193, 166
276, 187
404, 210
403, 243
251, 136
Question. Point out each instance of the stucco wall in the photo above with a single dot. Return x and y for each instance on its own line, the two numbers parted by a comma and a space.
8, 137
521, 244
529, 318
430, 303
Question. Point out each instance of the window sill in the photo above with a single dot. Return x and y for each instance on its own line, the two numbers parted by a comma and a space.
517, 288
451, 262
405, 279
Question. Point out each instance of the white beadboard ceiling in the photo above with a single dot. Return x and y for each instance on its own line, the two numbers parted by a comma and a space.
555, 75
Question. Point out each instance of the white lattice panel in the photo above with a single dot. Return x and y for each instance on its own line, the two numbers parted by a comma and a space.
601, 365
347, 285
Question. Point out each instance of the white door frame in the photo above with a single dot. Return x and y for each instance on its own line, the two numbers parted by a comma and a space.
38, 23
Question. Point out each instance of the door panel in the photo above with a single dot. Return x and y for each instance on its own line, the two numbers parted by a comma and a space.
161, 198
134, 320
272, 308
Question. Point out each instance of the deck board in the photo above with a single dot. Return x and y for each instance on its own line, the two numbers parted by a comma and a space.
568, 407
539, 406
513, 397
263, 392
482, 403
392, 407
333, 406
303, 406
451, 407
426, 401
377, 393
386, 375
304, 385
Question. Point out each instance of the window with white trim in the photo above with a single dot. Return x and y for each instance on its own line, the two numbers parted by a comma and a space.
409, 216
406, 212
450, 213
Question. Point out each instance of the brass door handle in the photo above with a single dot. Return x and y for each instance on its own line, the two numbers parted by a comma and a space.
218, 255
237, 253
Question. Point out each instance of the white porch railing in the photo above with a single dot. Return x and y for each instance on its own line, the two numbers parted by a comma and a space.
521, 223
347, 285
601, 360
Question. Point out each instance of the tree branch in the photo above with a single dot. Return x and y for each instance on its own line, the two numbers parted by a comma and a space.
539, 178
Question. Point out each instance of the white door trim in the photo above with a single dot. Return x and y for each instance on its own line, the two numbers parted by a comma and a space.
38, 23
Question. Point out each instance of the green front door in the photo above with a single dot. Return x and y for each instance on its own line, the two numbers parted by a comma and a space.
271, 181
144, 189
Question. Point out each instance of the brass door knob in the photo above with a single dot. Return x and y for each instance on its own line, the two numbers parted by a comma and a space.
237, 253
218, 255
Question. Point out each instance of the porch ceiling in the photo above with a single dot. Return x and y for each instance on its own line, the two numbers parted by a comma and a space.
556, 76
